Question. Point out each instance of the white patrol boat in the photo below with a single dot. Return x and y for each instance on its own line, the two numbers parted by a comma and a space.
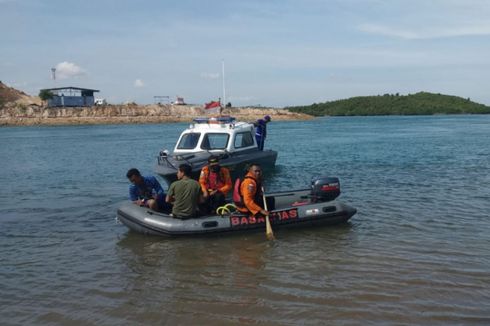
233, 142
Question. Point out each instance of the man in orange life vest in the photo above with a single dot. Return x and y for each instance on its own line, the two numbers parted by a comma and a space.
251, 192
215, 183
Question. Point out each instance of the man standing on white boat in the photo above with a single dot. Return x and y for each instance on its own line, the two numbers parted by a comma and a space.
261, 131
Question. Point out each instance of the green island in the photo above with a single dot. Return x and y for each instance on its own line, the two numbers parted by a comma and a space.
422, 103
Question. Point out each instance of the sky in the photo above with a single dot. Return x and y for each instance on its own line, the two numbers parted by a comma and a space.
274, 52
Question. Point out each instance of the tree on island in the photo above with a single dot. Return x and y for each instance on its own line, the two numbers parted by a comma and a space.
422, 103
45, 95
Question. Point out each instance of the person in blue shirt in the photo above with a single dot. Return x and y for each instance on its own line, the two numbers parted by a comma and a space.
146, 191
261, 131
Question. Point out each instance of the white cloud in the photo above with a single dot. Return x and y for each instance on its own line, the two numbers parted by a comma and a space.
435, 19
210, 75
138, 83
387, 31
241, 98
66, 70
428, 32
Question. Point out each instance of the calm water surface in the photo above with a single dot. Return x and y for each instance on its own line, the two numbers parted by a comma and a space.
417, 252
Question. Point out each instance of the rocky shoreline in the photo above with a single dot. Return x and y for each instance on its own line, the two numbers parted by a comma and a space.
129, 114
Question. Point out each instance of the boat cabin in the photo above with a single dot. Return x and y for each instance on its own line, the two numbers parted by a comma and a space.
234, 142
216, 134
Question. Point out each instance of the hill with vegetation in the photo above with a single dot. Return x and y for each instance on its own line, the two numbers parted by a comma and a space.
422, 103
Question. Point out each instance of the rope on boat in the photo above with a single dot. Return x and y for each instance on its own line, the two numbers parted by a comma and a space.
226, 209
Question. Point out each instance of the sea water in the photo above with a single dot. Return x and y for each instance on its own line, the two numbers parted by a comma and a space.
417, 251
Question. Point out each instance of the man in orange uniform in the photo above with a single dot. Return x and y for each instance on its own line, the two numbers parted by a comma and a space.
215, 183
251, 192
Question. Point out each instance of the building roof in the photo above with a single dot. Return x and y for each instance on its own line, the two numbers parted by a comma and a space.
72, 88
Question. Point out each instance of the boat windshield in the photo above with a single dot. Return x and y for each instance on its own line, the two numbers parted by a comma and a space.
215, 141
189, 140
243, 139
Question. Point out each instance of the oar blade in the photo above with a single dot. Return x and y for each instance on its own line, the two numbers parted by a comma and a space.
268, 229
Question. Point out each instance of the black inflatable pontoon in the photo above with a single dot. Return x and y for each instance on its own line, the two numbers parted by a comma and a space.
309, 207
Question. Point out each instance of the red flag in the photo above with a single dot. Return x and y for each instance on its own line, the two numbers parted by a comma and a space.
212, 104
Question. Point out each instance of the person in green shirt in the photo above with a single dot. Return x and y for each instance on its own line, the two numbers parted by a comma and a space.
185, 194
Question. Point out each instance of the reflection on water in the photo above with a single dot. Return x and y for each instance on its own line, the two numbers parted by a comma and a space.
415, 253
242, 273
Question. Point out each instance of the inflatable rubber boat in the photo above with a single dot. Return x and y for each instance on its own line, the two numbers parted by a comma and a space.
316, 206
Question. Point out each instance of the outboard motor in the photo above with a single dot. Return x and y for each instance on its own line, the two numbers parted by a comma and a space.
324, 189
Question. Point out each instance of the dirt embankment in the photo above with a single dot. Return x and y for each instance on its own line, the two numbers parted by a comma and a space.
11, 97
123, 114
20, 109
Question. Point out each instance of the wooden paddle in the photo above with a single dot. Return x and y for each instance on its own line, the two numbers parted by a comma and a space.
268, 227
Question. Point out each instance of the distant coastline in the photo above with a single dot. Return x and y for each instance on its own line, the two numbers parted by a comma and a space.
31, 115
20, 109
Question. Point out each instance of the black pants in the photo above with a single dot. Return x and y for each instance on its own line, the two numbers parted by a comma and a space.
215, 201
271, 203
164, 207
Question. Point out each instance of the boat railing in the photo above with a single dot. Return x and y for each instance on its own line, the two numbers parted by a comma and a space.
185, 158
163, 159
215, 120
164, 155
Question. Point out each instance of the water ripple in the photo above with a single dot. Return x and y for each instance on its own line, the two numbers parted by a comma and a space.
416, 253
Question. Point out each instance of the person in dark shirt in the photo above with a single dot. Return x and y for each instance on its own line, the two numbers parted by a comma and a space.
261, 131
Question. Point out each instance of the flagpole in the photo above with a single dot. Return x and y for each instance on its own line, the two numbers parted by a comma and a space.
224, 90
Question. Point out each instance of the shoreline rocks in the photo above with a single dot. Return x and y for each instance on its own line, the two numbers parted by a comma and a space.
31, 115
